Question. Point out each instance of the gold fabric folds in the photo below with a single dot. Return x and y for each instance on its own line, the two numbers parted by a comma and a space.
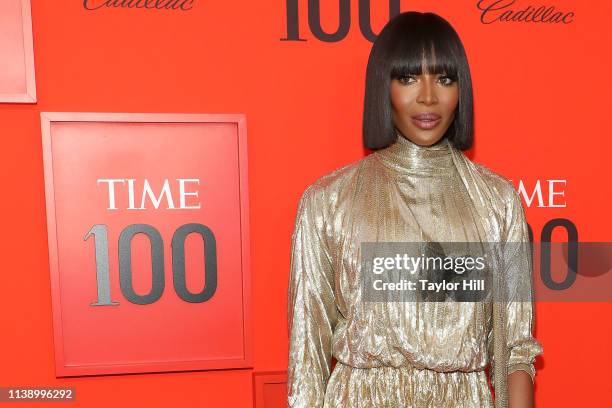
403, 354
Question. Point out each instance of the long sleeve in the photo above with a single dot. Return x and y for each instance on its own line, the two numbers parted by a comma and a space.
517, 258
311, 307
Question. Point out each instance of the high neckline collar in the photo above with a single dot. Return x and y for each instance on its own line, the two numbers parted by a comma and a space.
406, 156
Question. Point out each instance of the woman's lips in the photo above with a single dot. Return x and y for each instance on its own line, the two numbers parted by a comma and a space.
426, 121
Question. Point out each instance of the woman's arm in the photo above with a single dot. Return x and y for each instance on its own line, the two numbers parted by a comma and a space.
311, 307
522, 345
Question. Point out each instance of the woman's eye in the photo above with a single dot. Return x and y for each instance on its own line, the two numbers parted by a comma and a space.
446, 80
406, 79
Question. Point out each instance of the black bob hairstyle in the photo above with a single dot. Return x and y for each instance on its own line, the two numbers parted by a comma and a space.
408, 41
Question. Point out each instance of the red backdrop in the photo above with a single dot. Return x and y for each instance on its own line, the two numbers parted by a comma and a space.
541, 105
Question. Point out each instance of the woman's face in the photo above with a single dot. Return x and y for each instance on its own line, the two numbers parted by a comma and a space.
423, 106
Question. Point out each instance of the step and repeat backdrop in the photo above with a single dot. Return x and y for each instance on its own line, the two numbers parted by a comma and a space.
154, 152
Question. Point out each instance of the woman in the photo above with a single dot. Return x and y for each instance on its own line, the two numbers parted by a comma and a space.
416, 187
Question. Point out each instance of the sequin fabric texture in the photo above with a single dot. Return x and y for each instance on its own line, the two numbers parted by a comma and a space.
397, 354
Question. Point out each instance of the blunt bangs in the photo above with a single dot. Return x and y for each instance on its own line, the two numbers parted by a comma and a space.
412, 57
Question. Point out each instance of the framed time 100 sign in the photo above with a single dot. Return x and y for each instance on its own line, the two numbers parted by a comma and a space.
147, 219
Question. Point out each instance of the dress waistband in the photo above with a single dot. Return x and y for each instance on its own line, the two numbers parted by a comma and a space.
410, 368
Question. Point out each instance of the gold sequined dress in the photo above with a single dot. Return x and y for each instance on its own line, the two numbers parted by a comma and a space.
398, 354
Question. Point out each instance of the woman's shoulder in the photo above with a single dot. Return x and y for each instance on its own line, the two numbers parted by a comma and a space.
500, 184
338, 180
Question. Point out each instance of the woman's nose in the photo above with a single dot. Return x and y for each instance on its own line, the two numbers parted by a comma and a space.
427, 93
